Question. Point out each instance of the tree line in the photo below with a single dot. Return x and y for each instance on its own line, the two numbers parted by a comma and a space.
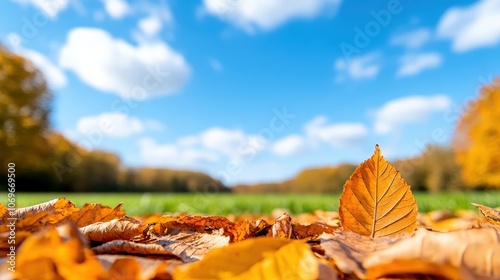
47, 161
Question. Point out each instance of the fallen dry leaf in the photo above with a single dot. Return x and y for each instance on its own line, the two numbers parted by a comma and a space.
376, 201
131, 247
245, 229
124, 228
57, 253
185, 245
93, 213
185, 222
149, 268
492, 215
445, 221
454, 255
29, 221
55, 205
259, 258
282, 227
311, 231
191, 246
348, 250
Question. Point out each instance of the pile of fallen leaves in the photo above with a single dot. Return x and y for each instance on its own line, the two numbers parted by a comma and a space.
376, 234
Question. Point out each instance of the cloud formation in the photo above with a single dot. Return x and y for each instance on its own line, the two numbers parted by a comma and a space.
412, 64
409, 109
317, 131
115, 66
472, 27
50, 8
413, 39
117, 9
357, 68
252, 15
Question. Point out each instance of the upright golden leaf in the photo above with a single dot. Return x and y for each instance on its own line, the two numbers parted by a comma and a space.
376, 201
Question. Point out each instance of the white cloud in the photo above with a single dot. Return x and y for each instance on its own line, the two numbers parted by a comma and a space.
357, 68
412, 64
192, 151
289, 145
410, 109
216, 65
412, 40
50, 7
266, 14
114, 66
55, 77
472, 27
117, 9
173, 155
318, 130
116, 125
150, 25
338, 135
222, 140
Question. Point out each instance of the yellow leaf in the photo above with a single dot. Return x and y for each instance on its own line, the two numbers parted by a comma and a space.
445, 221
376, 201
259, 258
57, 253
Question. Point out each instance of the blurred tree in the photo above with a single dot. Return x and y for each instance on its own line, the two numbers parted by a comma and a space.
313, 180
477, 139
24, 119
97, 172
434, 170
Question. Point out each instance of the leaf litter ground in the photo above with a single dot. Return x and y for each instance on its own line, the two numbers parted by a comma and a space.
376, 234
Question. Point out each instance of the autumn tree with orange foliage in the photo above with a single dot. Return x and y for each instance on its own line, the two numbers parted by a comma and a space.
477, 139
24, 115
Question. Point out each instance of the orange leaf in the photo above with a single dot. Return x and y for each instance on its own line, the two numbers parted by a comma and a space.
491, 215
57, 253
34, 218
93, 213
259, 258
58, 205
376, 201
445, 221
127, 267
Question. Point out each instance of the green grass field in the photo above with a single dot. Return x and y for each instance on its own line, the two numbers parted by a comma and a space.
223, 204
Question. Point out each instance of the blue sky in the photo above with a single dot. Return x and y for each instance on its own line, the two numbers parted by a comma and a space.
256, 90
